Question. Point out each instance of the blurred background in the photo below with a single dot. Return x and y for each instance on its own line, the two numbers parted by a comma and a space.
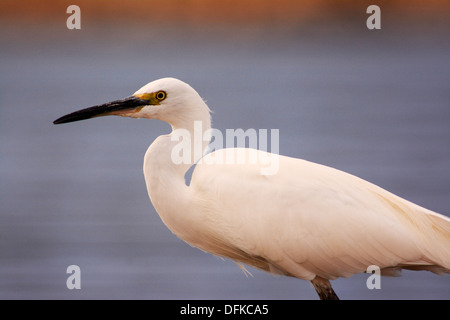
374, 103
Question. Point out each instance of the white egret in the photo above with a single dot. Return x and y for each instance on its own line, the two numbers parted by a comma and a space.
307, 220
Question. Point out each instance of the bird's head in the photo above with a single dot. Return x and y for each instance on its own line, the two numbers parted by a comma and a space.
166, 99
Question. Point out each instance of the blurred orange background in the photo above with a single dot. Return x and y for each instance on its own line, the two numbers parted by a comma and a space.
247, 12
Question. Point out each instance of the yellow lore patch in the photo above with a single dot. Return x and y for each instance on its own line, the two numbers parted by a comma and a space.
153, 98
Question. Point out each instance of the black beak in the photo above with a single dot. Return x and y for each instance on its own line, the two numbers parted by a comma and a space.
111, 108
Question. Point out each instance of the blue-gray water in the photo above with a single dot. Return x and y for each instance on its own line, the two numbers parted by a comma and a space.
374, 105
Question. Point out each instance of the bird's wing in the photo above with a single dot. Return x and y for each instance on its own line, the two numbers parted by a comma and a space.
308, 219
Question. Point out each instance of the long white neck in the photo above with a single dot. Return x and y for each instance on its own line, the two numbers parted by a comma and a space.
166, 162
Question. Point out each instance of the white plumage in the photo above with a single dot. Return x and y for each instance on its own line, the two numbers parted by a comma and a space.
307, 220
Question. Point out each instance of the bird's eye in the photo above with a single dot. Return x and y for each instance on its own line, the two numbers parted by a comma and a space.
161, 95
